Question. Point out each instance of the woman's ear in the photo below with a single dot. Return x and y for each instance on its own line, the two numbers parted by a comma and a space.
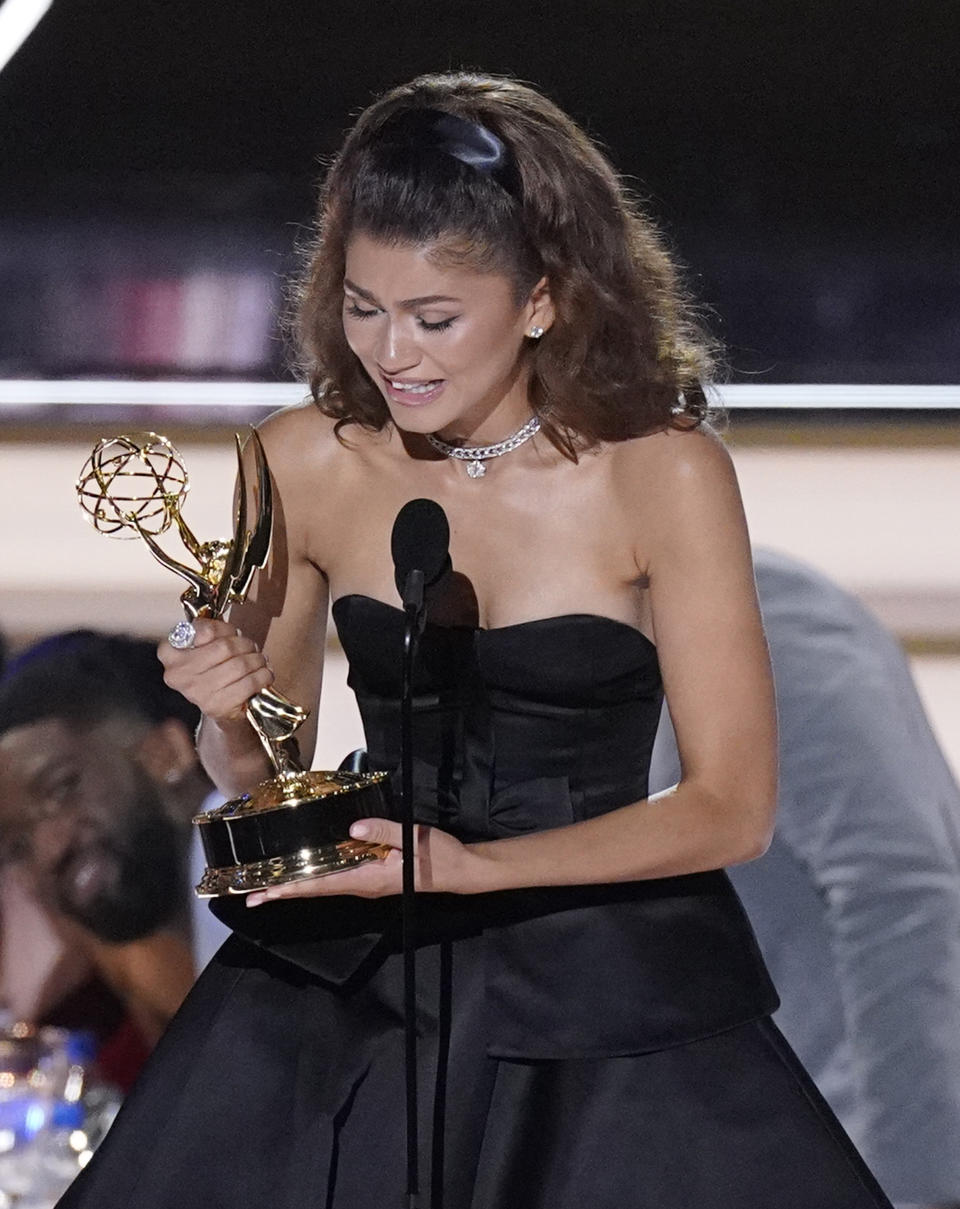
539, 311
166, 752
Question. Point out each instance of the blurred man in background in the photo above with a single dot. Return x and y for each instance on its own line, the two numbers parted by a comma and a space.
857, 903
98, 782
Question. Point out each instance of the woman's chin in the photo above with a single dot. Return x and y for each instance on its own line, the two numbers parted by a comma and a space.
418, 420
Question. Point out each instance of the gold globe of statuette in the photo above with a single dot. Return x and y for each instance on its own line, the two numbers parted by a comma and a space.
132, 485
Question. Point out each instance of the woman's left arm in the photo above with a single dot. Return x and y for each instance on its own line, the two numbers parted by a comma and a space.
717, 679
694, 551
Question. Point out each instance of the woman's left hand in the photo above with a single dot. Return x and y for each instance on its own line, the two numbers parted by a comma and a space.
442, 865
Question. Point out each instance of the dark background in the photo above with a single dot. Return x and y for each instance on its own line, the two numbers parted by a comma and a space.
803, 158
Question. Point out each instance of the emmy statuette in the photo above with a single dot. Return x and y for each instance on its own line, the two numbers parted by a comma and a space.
296, 824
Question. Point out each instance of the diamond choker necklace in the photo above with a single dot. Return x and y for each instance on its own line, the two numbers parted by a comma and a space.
476, 455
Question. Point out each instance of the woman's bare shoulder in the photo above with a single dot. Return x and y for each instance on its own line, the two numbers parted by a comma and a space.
674, 490
674, 461
302, 440
297, 432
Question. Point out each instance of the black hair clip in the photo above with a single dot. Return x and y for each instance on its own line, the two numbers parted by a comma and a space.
466, 141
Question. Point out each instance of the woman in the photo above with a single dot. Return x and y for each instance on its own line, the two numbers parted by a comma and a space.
490, 324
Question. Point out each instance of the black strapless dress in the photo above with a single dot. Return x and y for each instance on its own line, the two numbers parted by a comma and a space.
601, 1046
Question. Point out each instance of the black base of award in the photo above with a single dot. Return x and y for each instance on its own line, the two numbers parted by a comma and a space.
294, 826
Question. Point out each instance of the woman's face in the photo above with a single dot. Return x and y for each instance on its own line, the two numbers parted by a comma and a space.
442, 344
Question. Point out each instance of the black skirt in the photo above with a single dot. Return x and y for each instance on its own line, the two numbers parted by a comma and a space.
273, 1087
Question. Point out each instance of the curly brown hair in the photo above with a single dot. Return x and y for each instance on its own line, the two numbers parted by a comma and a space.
625, 355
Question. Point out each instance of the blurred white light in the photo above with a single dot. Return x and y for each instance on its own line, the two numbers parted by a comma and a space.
28, 394
18, 20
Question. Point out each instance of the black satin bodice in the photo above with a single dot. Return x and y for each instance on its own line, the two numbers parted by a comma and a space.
515, 729
521, 729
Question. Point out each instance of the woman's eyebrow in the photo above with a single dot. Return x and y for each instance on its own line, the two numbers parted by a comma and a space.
407, 304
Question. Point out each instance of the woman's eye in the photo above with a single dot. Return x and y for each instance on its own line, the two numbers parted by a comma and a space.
440, 326
358, 312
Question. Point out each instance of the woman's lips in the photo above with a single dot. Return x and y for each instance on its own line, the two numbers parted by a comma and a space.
412, 394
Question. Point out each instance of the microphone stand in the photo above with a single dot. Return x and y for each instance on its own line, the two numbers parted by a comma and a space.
415, 618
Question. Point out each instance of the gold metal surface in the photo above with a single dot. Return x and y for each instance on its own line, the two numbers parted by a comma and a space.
305, 863
289, 791
135, 486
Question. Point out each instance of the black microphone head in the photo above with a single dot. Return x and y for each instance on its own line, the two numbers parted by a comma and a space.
420, 542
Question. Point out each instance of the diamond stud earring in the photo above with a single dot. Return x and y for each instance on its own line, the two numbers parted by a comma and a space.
535, 333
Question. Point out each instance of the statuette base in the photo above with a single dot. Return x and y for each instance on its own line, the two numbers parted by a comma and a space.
291, 827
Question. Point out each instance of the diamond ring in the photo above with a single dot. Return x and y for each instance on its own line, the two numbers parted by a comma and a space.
182, 636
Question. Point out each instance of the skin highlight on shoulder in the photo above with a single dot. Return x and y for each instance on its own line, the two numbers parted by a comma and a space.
302, 440
666, 460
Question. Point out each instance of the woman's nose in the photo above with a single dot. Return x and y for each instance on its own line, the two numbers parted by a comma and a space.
397, 350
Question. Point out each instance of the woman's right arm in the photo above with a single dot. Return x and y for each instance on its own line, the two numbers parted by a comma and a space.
275, 638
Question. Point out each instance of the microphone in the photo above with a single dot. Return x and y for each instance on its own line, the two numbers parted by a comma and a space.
420, 545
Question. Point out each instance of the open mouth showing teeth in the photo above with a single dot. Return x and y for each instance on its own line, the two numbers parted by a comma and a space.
414, 388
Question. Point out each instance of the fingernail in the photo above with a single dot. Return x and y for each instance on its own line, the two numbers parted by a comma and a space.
359, 831
254, 900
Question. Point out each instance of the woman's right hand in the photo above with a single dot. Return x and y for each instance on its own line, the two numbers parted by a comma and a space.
219, 673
